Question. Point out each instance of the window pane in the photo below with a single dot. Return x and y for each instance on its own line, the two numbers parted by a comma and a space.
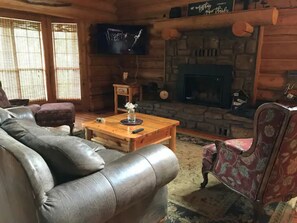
32, 82
9, 83
66, 54
22, 70
68, 83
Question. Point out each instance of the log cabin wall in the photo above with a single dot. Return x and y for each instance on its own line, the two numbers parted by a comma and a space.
146, 69
101, 75
279, 56
98, 71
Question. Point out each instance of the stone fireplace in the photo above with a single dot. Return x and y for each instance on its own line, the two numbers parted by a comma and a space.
217, 47
200, 90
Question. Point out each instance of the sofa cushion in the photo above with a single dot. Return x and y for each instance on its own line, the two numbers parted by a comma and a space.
67, 156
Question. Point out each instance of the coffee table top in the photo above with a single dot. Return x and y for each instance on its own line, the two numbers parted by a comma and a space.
113, 127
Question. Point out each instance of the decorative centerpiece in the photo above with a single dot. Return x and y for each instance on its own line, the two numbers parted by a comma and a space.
131, 118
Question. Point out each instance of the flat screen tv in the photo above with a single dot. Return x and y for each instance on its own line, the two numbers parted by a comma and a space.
119, 39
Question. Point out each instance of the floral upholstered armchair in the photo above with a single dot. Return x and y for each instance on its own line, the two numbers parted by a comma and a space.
262, 168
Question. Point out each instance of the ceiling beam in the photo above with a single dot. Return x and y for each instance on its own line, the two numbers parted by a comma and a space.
65, 12
253, 17
105, 6
53, 3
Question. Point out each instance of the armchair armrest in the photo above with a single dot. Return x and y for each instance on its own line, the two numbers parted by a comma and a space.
19, 102
237, 146
119, 185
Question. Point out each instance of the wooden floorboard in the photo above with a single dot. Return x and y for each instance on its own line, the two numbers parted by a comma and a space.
81, 117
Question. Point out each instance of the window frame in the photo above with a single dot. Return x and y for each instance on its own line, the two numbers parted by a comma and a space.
46, 31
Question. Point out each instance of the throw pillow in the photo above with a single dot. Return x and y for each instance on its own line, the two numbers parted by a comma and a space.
67, 156
4, 102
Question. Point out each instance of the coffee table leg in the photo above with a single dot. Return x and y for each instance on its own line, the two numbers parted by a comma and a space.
88, 134
172, 140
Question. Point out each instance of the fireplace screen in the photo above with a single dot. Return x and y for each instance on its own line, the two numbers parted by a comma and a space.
203, 89
208, 85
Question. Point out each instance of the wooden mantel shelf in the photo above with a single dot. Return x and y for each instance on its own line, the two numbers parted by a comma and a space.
253, 17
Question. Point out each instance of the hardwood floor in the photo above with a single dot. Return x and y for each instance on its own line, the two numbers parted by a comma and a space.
81, 117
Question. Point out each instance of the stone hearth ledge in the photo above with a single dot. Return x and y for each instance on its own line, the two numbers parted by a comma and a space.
212, 120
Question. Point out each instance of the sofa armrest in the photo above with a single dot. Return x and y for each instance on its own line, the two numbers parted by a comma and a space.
22, 113
119, 185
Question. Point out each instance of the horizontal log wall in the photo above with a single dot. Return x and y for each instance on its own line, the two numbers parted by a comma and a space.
102, 70
279, 55
146, 68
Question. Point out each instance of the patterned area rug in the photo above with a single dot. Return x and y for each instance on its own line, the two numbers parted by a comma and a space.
215, 203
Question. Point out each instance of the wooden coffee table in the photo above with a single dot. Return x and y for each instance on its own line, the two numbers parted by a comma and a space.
112, 134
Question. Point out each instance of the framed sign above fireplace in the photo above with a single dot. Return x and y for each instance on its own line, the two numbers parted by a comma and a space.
210, 7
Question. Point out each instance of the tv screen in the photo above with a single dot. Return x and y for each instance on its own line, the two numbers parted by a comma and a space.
119, 39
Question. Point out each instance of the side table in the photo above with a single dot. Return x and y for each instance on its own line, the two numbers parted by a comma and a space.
129, 91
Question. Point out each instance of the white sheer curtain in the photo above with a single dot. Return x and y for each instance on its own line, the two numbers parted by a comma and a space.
22, 69
66, 58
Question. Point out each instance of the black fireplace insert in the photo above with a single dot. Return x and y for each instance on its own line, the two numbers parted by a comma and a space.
205, 84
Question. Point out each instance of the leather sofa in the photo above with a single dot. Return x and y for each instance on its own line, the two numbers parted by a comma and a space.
127, 188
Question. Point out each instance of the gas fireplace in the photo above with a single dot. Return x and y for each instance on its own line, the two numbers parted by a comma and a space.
208, 85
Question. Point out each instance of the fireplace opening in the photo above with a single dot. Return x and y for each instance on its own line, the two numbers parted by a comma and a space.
203, 89
208, 85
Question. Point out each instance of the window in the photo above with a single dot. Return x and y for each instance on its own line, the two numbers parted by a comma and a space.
66, 58
22, 69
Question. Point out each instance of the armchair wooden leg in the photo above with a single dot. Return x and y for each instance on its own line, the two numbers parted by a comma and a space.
259, 212
205, 180
162, 220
